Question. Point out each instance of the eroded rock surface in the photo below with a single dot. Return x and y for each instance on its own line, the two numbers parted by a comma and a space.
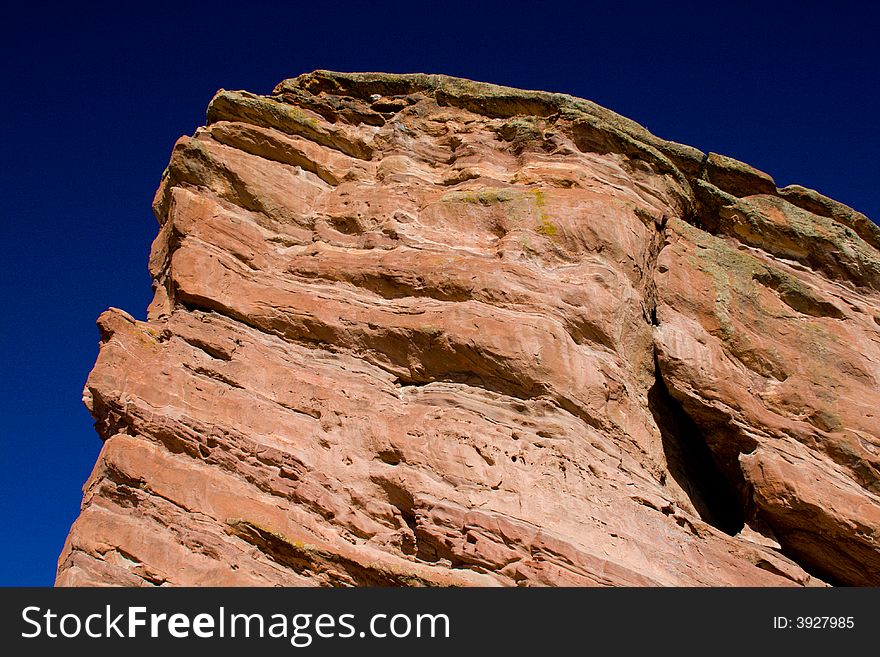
415, 330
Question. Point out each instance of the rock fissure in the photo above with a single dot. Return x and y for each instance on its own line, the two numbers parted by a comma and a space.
692, 465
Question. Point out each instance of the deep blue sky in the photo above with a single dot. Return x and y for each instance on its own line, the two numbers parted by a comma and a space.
93, 101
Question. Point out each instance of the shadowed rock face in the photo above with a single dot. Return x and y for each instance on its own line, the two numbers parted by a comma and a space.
415, 330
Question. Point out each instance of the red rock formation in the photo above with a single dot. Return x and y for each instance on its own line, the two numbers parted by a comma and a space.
414, 330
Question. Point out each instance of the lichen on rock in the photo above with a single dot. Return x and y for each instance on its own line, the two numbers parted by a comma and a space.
418, 330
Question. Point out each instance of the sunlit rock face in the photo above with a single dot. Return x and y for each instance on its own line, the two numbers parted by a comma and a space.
416, 330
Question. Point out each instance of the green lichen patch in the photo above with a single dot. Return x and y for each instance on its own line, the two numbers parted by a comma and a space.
485, 196
734, 277
796, 295
430, 331
519, 204
547, 229
737, 178
816, 203
545, 226
774, 225
522, 128
269, 113
740, 307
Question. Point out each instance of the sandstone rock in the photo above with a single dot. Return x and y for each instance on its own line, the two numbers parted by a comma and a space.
416, 330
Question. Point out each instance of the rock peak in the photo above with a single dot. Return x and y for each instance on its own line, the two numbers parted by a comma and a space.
411, 329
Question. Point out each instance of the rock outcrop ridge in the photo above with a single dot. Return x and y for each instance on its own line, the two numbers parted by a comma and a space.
416, 330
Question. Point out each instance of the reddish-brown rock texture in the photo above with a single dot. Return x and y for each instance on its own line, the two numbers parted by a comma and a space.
416, 330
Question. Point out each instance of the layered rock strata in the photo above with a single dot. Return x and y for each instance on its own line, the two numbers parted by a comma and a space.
416, 330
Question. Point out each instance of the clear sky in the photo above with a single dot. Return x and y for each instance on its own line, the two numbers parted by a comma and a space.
93, 100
